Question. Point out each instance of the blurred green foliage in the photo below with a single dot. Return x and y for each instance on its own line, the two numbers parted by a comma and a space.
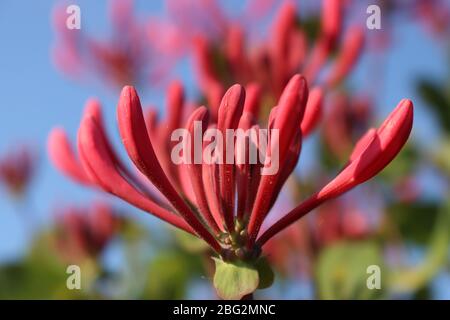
414, 278
341, 270
41, 275
414, 221
437, 98
169, 274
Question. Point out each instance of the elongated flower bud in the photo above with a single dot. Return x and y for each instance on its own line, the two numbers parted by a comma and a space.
135, 139
372, 153
230, 112
63, 157
331, 19
348, 55
194, 165
286, 121
102, 169
313, 111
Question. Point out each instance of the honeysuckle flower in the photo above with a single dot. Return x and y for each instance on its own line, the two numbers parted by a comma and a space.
84, 232
16, 170
231, 228
128, 56
284, 52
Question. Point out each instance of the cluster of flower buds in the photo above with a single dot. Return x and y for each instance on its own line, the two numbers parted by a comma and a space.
229, 201
207, 18
286, 51
85, 232
16, 170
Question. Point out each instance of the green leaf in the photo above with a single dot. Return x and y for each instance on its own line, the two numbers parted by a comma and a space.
411, 279
40, 275
234, 280
341, 270
435, 98
266, 275
414, 220
441, 156
169, 275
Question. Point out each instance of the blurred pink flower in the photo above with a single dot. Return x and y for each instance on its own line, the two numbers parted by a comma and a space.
16, 170
284, 52
338, 220
210, 19
85, 232
407, 189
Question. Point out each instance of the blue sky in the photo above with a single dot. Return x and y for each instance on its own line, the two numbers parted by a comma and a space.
35, 97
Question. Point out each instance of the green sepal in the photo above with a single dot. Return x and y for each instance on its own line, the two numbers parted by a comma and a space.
234, 280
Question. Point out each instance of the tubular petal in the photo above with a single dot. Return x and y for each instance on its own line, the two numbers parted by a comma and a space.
97, 160
380, 149
288, 166
235, 50
348, 55
313, 111
175, 102
363, 143
282, 30
93, 110
137, 143
242, 160
61, 153
291, 108
252, 103
230, 112
331, 18
211, 188
204, 64
195, 169
288, 115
